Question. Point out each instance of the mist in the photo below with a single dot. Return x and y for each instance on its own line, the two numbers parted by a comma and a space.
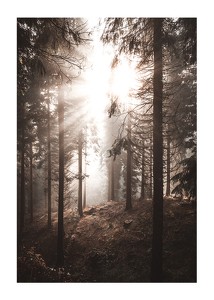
106, 149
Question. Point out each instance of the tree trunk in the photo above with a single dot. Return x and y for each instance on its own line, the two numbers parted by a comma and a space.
129, 169
80, 143
117, 169
22, 208
112, 179
157, 238
45, 194
60, 246
84, 194
21, 204
49, 167
168, 167
151, 173
143, 175
109, 180
31, 182
85, 185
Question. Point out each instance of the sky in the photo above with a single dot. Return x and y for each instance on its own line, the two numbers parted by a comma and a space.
9, 12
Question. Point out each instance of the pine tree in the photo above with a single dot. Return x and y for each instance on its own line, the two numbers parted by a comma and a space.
60, 235
80, 173
157, 238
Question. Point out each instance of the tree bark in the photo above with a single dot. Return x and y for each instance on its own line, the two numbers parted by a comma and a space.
117, 169
157, 238
109, 179
168, 167
85, 182
84, 194
31, 182
49, 167
129, 169
85, 185
143, 175
80, 143
21, 204
151, 173
60, 238
22, 207
112, 179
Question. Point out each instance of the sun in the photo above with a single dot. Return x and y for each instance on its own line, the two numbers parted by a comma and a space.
123, 79
99, 81
103, 82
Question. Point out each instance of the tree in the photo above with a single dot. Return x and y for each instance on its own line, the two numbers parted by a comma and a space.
143, 173
49, 164
111, 179
22, 206
157, 238
129, 168
60, 236
31, 183
85, 170
80, 175
168, 167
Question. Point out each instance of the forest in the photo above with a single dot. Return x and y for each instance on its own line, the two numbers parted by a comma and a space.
106, 150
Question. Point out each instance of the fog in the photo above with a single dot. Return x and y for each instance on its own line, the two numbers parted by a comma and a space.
92, 90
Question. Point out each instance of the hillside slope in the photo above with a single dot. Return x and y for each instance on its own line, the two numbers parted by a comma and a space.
110, 244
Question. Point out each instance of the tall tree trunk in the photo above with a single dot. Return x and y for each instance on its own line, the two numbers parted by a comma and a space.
19, 210
49, 167
60, 246
85, 185
143, 174
112, 179
151, 171
22, 208
85, 170
157, 238
21, 204
31, 182
84, 194
45, 194
129, 169
117, 169
80, 143
109, 180
168, 166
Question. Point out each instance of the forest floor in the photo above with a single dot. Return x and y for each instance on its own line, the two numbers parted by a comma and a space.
109, 244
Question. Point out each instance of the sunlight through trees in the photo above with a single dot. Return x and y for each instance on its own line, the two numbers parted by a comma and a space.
106, 117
